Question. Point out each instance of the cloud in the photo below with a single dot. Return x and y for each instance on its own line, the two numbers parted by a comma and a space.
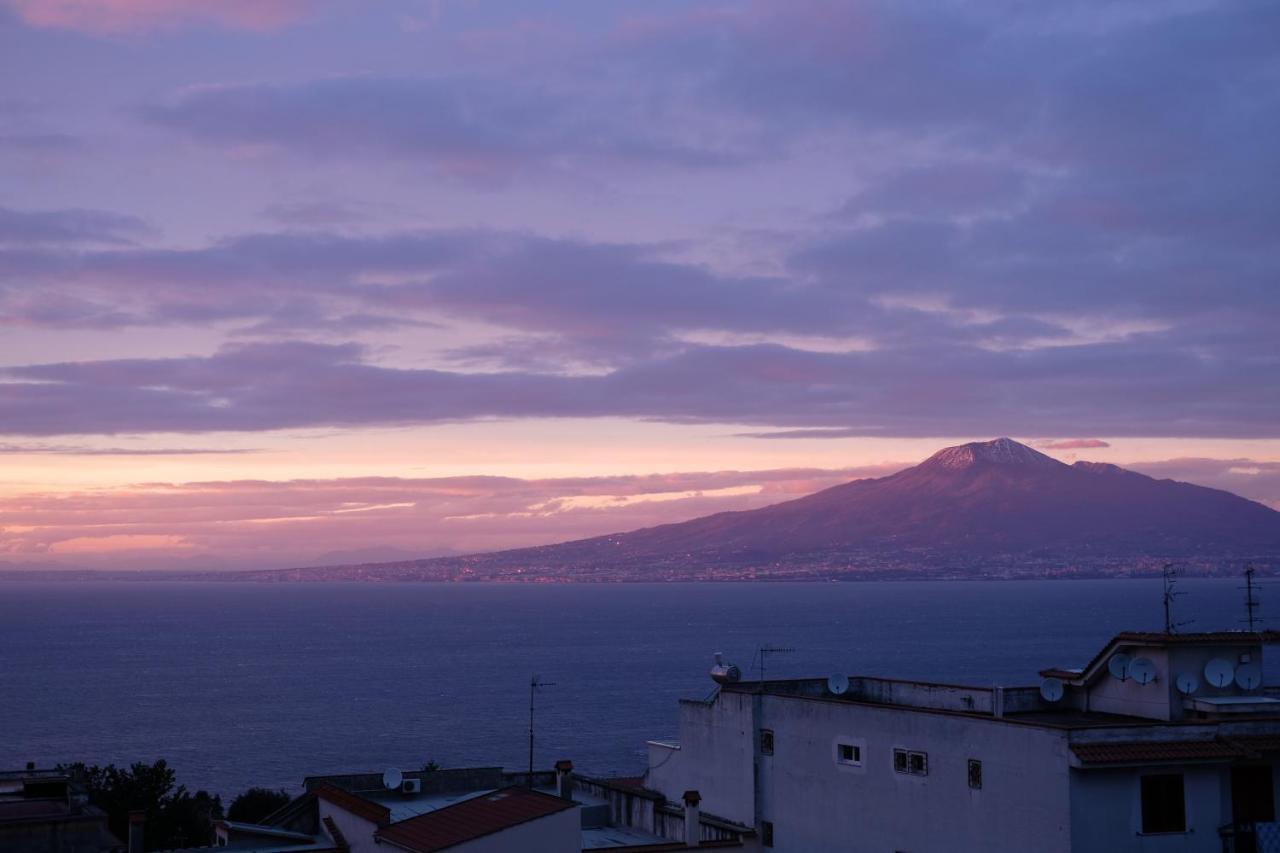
245, 524
1255, 479
72, 450
818, 432
1072, 444
127, 16
1028, 220
69, 227
466, 127
1115, 390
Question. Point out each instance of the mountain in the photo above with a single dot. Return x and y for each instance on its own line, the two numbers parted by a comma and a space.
987, 506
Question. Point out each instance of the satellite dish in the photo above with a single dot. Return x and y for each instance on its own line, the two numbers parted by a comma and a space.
1118, 666
1187, 683
1249, 676
1219, 672
838, 684
1142, 670
391, 779
1051, 689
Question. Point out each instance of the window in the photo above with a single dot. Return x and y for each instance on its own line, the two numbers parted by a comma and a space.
849, 753
766, 833
766, 741
1163, 805
914, 763
975, 774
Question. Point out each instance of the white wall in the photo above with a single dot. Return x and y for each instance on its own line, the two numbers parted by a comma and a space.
715, 758
1107, 807
358, 831
811, 799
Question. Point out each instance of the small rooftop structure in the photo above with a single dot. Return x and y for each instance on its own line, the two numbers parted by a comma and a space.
44, 809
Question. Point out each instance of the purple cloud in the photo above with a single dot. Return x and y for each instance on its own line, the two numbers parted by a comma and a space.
469, 128
69, 227
1073, 444
919, 392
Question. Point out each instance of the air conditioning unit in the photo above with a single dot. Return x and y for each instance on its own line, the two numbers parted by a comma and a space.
411, 786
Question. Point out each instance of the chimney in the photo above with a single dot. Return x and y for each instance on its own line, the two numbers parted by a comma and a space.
137, 822
692, 819
564, 779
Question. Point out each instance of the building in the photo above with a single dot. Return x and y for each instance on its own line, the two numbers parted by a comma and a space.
1162, 742
44, 811
480, 810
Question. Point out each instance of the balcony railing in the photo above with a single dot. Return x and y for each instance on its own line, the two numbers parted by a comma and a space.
1250, 837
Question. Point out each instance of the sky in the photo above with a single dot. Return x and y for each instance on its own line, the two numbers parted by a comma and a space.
296, 281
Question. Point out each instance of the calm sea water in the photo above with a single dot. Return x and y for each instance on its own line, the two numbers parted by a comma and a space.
252, 684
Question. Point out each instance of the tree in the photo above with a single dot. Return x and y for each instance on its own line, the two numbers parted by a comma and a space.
253, 805
175, 817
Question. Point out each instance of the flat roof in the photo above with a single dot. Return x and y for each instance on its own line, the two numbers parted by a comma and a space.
605, 837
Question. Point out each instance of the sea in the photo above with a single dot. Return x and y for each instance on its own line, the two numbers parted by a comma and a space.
238, 685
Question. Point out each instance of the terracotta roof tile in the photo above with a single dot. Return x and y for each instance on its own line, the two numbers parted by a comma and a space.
473, 818
1183, 750
353, 803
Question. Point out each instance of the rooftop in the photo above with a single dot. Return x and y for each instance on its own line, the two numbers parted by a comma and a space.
470, 819
1143, 752
1025, 705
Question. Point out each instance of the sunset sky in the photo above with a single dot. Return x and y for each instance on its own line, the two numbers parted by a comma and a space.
294, 281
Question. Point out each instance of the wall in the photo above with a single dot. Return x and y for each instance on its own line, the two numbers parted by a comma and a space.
1161, 700
1107, 808
811, 799
358, 831
557, 833
714, 758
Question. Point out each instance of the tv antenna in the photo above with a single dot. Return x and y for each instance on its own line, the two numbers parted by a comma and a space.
1251, 604
765, 651
1170, 576
534, 686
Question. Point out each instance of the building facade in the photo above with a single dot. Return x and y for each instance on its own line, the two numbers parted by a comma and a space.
1161, 743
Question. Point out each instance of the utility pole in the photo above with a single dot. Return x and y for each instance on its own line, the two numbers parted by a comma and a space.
534, 684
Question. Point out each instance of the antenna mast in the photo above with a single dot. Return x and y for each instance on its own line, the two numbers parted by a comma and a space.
1250, 603
1170, 576
765, 651
534, 684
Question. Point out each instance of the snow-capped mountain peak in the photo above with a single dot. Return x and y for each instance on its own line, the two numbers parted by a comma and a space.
1000, 451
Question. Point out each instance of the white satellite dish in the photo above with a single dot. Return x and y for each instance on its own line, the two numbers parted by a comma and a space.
1249, 676
1118, 666
1051, 689
838, 684
391, 779
1187, 683
1219, 672
1142, 670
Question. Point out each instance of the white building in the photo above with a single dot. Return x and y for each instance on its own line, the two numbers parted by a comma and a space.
1161, 743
